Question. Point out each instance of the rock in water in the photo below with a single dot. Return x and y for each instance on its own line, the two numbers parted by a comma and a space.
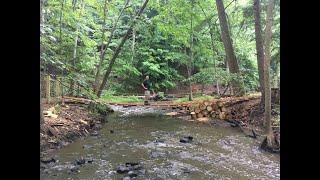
48, 160
80, 161
132, 174
159, 141
187, 139
122, 169
75, 169
94, 133
131, 164
157, 154
89, 160
126, 178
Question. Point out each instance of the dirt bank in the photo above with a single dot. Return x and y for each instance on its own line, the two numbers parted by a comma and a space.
67, 124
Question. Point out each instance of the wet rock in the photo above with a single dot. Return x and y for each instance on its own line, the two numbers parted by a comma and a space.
132, 174
159, 140
89, 160
80, 161
126, 178
137, 167
75, 169
122, 169
233, 125
87, 146
128, 164
185, 170
157, 154
43, 166
142, 171
112, 172
94, 133
47, 160
186, 139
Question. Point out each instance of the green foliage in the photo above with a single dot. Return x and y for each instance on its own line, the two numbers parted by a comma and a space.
196, 97
109, 97
162, 35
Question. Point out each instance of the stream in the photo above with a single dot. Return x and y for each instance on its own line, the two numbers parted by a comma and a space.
143, 135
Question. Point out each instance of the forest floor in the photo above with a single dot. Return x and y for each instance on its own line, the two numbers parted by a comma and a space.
75, 120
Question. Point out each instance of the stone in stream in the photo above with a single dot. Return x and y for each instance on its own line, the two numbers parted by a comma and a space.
89, 160
159, 140
126, 178
75, 169
132, 174
122, 169
157, 154
129, 166
185, 170
87, 146
80, 161
47, 160
94, 133
186, 139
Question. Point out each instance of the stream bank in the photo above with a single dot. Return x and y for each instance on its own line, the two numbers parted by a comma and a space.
64, 124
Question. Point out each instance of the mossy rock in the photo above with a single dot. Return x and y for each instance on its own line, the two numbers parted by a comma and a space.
100, 108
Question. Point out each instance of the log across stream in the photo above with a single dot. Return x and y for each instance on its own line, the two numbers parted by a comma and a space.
150, 143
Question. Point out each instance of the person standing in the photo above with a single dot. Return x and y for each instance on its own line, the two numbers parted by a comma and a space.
146, 84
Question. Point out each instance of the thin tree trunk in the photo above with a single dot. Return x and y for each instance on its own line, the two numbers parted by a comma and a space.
133, 44
117, 51
74, 60
259, 47
191, 54
41, 22
60, 50
231, 58
74, 57
213, 49
268, 38
103, 50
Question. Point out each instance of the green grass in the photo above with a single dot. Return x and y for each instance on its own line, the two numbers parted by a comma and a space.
195, 97
121, 99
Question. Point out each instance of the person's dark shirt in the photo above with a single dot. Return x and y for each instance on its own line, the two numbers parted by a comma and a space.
147, 84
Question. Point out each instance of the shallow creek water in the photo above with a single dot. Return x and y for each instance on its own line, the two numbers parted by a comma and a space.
144, 135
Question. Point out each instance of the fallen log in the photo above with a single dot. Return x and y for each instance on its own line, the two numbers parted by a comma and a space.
209, 108
199, 115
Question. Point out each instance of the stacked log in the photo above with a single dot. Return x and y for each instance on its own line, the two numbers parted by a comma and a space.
227, 108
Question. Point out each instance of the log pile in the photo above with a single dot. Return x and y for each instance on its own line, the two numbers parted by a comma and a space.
224, 109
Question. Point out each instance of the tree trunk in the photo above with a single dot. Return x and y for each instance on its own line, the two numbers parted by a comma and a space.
268, 38
97, 77
191, 55
231, 58
213, 49
117, 51
133, 44
60, 50
74, 60
74, 57
41, 21
259, 47
102, 50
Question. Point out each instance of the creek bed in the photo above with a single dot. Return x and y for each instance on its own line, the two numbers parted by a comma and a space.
144, 135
